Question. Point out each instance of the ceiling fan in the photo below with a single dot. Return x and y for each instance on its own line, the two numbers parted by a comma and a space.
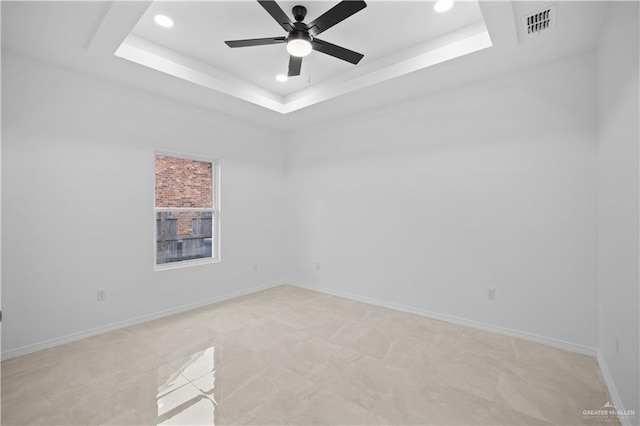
301, 38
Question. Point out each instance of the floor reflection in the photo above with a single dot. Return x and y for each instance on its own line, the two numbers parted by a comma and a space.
305, 358
186, 395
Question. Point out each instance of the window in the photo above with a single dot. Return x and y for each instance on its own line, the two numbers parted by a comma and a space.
187, 213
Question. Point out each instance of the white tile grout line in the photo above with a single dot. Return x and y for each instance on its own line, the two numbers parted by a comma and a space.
421, 312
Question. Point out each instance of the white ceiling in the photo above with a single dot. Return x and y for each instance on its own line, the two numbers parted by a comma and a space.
381, 29
194, 49
67, 34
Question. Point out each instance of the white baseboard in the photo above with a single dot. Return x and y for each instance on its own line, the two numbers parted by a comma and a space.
573, 347
613, 391
133, 321
556, 343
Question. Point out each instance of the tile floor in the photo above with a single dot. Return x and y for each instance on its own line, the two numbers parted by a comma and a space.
293, 356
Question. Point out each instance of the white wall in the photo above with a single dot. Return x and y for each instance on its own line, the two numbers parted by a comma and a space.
428, 203
619, 136
77, 200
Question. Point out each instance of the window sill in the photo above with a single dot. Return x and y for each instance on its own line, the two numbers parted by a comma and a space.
185, 264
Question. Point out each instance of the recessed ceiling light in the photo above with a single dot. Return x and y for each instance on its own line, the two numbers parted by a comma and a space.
443, 5
282, 78
163, 21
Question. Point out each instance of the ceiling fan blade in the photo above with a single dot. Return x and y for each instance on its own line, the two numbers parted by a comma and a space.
277, 13
295, 64
336, 14
256, 41
336, 51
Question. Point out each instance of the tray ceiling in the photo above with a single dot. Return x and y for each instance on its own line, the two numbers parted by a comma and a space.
396, 37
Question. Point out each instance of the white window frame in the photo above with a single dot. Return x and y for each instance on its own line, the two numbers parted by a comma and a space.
215, 223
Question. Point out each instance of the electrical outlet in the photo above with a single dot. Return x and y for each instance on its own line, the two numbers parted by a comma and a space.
101, 295
617, 340
491, 293
255, 267
318, 266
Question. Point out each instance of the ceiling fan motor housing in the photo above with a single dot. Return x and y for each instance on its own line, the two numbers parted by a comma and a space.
299, 12
299, 35
301, 38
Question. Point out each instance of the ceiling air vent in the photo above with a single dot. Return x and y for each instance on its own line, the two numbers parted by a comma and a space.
539, 21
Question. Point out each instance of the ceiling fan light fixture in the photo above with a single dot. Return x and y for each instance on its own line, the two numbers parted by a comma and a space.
442, 6
301, 37
299, 44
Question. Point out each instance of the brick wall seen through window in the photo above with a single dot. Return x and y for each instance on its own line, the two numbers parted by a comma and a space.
185, 209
